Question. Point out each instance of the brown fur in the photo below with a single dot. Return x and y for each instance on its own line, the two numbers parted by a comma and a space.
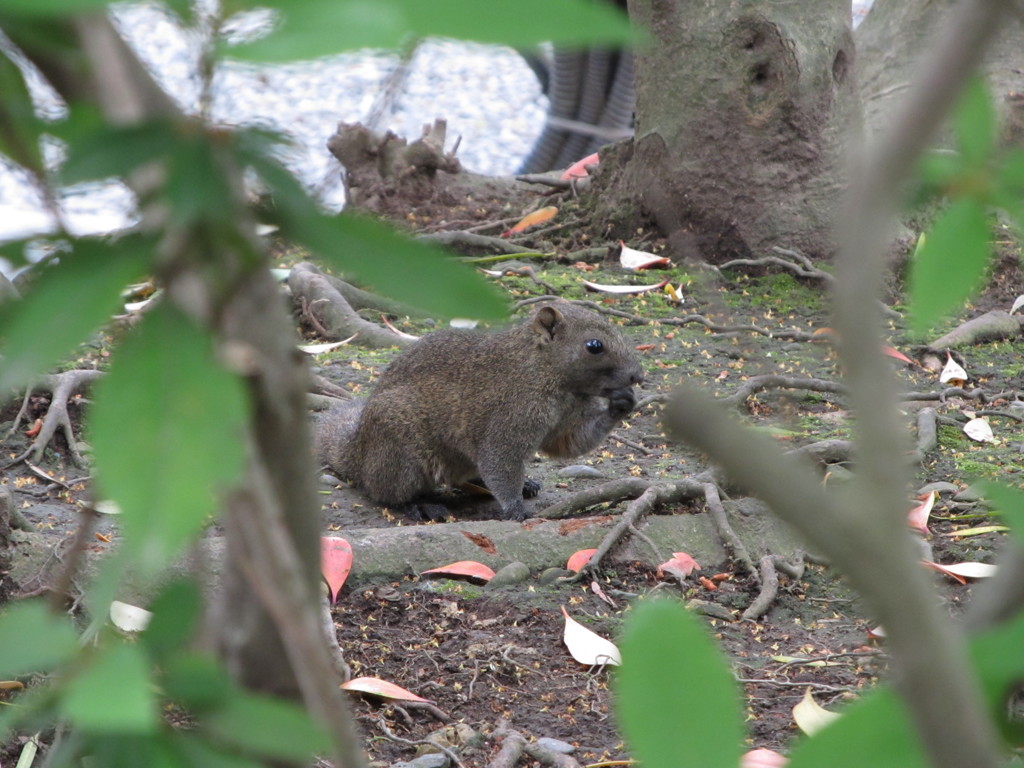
460, 405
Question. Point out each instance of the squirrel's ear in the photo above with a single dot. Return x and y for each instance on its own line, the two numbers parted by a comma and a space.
545, 322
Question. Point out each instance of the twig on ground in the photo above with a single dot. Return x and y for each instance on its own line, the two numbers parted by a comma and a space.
548, 181
631, 444
449, 753
615, 491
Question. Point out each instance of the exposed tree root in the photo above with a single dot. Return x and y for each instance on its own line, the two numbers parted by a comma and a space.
756, 384
733, 545
469, 244
992, 326
328, 303
770, 565
615, 491
514, 745
62, 387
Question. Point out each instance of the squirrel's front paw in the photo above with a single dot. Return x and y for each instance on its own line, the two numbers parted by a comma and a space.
621, 402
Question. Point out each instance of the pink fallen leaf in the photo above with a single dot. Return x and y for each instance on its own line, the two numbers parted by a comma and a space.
962, 571
809, 716
877, 633
588, 647
681, 565
335, 563
918, 516
895, 353
623, 288
953, 373
763, 758
596, 589
467, 569
531, 220
631, 258
377, 687
578, 170
578, 559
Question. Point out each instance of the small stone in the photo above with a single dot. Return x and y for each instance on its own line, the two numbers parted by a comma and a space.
551, 575
579, 470
513, 573
940, 487
970, 493
556, 745
430, 760
326, 479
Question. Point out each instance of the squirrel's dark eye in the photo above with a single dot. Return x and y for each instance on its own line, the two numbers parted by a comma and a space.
594, 346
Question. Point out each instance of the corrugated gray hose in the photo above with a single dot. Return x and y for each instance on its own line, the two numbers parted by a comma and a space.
591, 104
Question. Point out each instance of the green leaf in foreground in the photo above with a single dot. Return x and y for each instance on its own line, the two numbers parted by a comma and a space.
261, 725
975, 122
33, 639
114, 694
377, 257
877, 731
1009, 503
67, 303
167, 434
309, 29
675, 696
950, 266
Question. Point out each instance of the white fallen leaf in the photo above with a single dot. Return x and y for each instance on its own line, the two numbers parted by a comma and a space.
1017, 303
319, 349
138, 306
810, 716
623, 288
129, 618
280, 275
106, 507
266, 229
588, 647
631, 258
462, 322
967, 570
979, 430
492, 272
953, 371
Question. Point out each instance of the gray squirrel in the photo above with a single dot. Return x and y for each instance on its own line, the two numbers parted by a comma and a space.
460, 405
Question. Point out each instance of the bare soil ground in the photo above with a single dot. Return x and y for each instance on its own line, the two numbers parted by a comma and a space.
491, 655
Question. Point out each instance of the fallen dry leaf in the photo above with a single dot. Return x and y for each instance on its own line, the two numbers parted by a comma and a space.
763, 758
578, 559
680, 565
578, 170
979, 430
531, 220
484, 542
588, 647
809, 716
377, 687
335, 563
467, 569
601, 288
129, 618
630, 258
918, 516
953, 373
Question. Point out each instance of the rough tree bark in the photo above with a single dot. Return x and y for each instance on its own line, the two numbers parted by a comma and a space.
742, 114
893, 38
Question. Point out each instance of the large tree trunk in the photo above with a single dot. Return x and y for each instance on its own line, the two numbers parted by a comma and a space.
743, 109
895, 35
